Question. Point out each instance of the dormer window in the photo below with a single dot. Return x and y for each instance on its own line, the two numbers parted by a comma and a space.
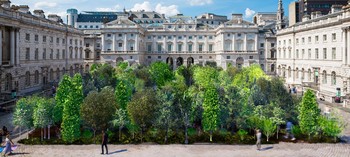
169, 26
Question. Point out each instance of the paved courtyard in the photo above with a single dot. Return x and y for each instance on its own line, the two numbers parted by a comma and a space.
205, 150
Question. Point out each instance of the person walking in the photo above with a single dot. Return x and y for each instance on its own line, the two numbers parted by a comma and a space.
8, 143
258, 139
104, 141
289, 127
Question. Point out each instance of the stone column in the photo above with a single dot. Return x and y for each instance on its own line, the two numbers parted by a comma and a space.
103, 46
223, 42
344, 51
185, 46
206, 47
12, 47
175, 45
348, 44
0, 46
17, 47
174, 63
164, 44
136, 43
195, 45
113, 42
234, 41
245, 42
154, 44
125, 41
257, 43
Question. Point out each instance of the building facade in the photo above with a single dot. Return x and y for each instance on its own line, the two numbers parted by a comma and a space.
36, 51
315, 53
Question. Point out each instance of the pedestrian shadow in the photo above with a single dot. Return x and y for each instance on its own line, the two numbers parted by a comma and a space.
19, 154
118, 151
267, 148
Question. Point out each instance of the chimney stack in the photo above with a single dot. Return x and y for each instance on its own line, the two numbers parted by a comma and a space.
5, 3
23, 8
306, 18
54, 17
39, 13
336, 8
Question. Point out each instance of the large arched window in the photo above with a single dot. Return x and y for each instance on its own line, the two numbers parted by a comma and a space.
324, 77
27, 78
36, 77
334, 78
297, 73
51, 75
289, 72
309, 75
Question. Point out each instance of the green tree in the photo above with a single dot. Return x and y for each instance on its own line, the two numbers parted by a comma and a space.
98, 109
205, 77
211, 111
309, 114
142, 109
123, 93
331, 126
62, 97
269, 128
71, 110
23, 115
43, 114
160, 73
120, 120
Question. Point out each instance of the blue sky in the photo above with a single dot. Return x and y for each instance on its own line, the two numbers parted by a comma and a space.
169, 7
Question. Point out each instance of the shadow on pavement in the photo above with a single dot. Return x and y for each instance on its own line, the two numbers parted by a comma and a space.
20, 154
267, 148
118, 151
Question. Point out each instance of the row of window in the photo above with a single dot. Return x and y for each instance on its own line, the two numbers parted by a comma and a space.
180, 37
160, 57
262, 45
44, 52
91, 26
51, 39
301, 55
309, 39
324, 76
179, 47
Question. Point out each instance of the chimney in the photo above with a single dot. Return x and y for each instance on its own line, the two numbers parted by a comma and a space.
54, 17
306, 18
23, 8
237, 16
39, 13
336, 8
313, 15
5, 3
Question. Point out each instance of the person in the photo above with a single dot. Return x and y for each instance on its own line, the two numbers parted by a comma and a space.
289, 130
290, 90
258, 139
4, 130
53, 89
8, 143
104, 141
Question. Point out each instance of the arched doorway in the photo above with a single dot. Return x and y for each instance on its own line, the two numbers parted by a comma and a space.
179, 61
170, 62
119, 60
8, 82
71, 72
272, 67
190, 61
239, 62
87, 68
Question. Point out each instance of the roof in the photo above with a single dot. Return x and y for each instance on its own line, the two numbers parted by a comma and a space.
95, 16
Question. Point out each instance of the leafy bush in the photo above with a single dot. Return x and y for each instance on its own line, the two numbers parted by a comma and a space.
296, 131
242, 134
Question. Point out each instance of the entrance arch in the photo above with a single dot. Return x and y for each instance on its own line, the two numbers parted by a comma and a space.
239, 62
179, 61
190, 61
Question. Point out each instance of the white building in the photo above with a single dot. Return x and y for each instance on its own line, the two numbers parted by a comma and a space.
315, 53
35, 51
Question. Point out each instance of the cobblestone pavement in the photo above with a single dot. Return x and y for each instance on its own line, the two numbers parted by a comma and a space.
205, 150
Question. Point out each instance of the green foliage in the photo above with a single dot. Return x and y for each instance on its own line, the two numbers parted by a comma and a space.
123, 65
205, 77
43, 112
309, 114
160, 73
123, 93
103, 75
242, 134
269, 128
23, 115
71, 109
62, 97
98, 108
331, 126
248, 76
211, 110
296, 131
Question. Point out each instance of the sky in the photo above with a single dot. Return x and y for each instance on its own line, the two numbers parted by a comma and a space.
168, 7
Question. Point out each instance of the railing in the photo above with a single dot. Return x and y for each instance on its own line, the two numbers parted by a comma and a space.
237, 51
123, 52
181, 52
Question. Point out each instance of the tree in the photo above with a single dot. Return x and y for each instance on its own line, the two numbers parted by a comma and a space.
142, 109
123, 93
23, 115
309, 114
43, 114
160, 73
331, 126
98, 108
62, 97
120, 120
71, 110
269, 128
211, 111
205, 77
278, 117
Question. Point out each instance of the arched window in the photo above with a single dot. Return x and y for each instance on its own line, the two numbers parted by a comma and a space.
36, 77
334, 78
58, 74
297, 73
289, 72
8, 82
302, 74
272, 67
27, 77
71, 72
51, 75
309, 75
324, 77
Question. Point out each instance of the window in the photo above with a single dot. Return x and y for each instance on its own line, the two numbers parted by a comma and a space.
76, 42
200, 47
51, 54
284, 53
180, 26
159, 57
334, 78
309, 53
272, 44
189, 47
228, 57
324, 53
51, 39
87, 45
63, 41
44, 39
36, 77
179, 37
169, 37
179, 47
316, 38
109, 35
79, 26
27, 53
96, 27
44, 53
324, 77
85, 26
149, 47
297, 41
210, 47
190, 27
200, 37
228, 35
325, 38
297, 54
36, 38
130, 57
334, 37
63, 54
159, 37
289, 54
149, 37
169, 47
169, 27
149, 57
239, 34
200, 57
120, 44
316, 54
302, 40
36, 56
159, 47
131, 35
27, 37
334, 53
290, 41
120, 35
91, 26
302, 54
58, 54
261, 44
210, 37
27, 81
251, 57
57, 40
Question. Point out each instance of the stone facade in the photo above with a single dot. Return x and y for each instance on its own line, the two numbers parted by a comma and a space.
315, 53
36, 51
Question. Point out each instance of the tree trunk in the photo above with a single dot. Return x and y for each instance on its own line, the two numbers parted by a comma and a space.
94, 136
267, 138
211, 136
120, 134
278, 128
141, 134
166, 136
48, 132
42, 134
186, 136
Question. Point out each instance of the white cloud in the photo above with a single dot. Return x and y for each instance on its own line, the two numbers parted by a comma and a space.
249, 13
168, 10
142, 6
162, 9
45, 4
200, 2
115, 8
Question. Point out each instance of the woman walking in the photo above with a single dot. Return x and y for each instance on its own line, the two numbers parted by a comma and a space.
8, 143
258, 139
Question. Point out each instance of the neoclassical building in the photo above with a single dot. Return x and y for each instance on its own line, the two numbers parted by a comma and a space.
35, 50
315, 53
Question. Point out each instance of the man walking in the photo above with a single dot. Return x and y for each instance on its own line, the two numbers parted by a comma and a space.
258, 139
104, 141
